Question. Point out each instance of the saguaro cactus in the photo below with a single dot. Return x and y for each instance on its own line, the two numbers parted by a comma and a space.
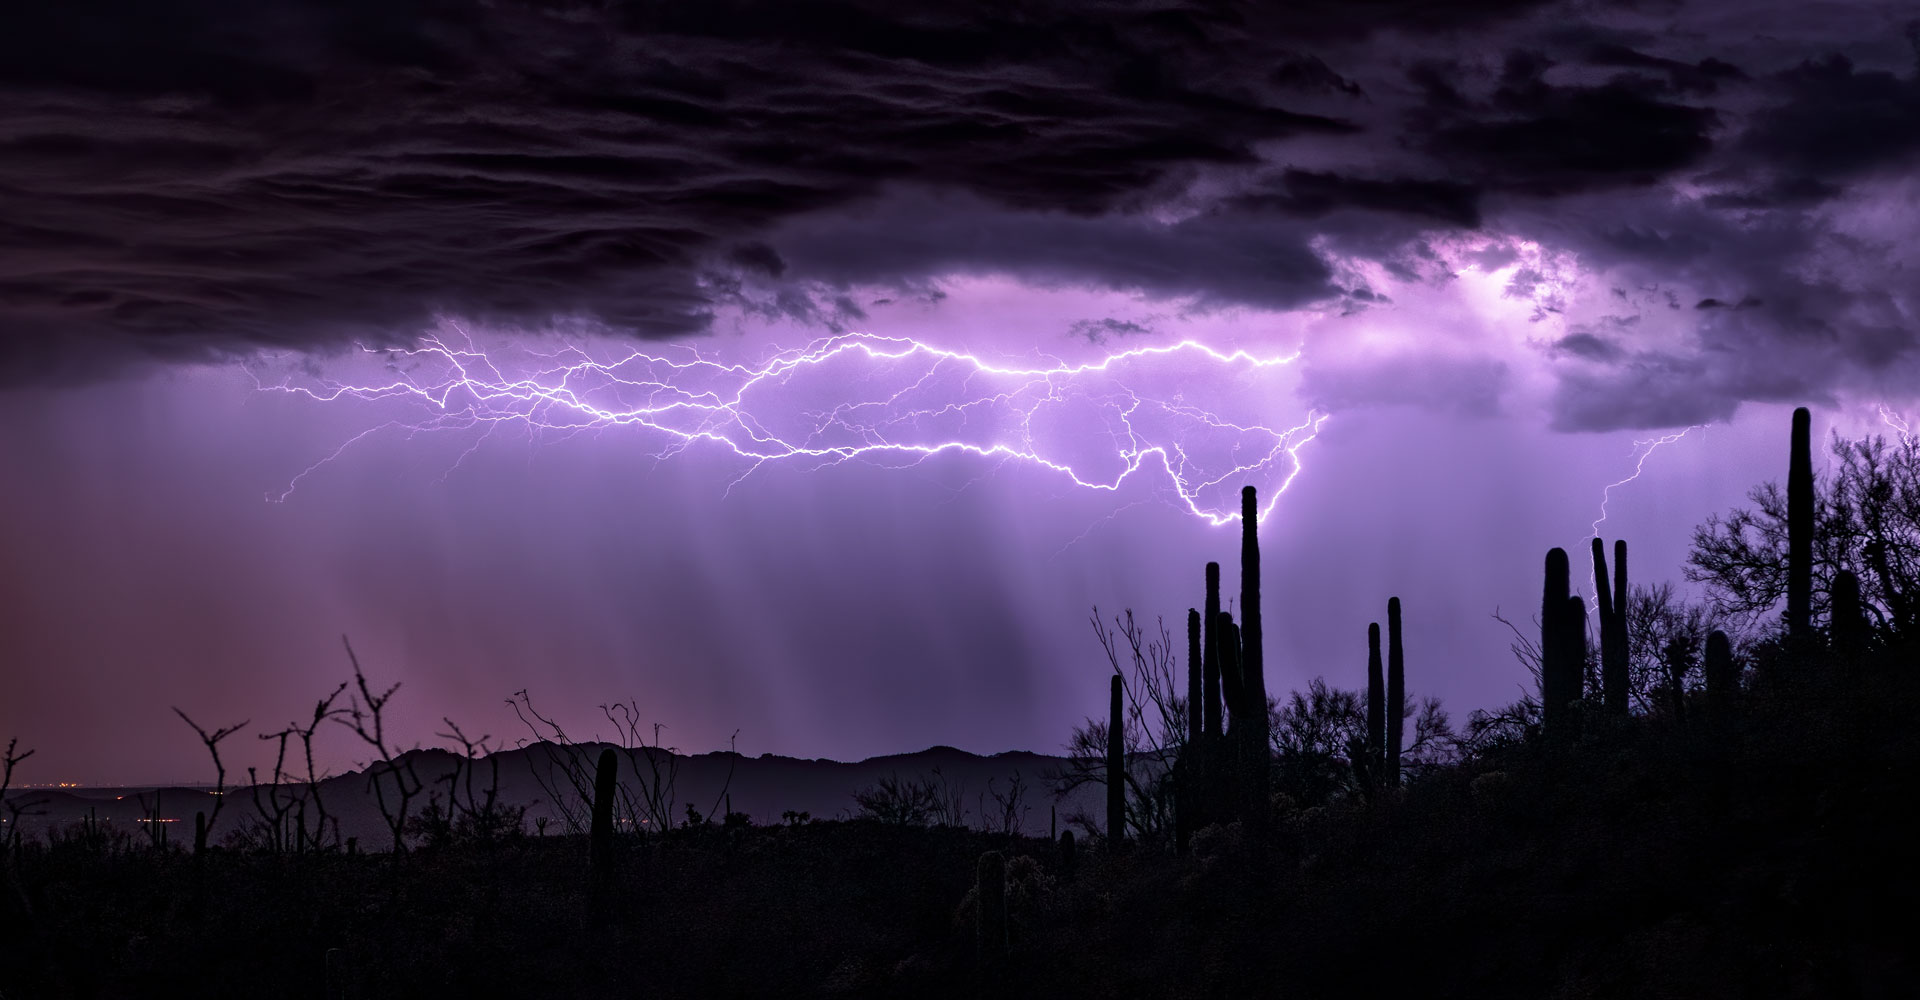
1847, 632
1723, 676
990, 921
1612, 598
1376, 698
1226, 760
1196, 685
1232, 672
606, 779
1211, 652
1116, 766
1576, 660
199, 834
1396, 692
1253, 727
1553, 641
1800, 529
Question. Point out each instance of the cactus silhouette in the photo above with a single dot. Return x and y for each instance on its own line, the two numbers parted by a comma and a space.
1196, 683
600, 834
1252, 723
1376, 701
1116, 766
1232, 674
1396, 692
1226, 757
990, 918
1576, 659
1800, 529
1066, 850
199, 834
1554, 628
1847, 632
1187, 769
1210, 652
1612, 599
1723, 676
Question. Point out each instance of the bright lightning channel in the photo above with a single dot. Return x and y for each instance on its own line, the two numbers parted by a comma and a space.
1640, 452
694, 399
1897, 423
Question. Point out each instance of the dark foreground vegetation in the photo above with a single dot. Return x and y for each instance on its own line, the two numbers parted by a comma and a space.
1687, 823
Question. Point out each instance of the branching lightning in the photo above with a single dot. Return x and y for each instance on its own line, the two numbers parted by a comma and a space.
885, 400
1896, 423
1641, 451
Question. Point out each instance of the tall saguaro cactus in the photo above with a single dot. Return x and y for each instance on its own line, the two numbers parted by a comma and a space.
1376, 699
1800, 529
1190, 770
1196, 686
606, 780
1211, 652
1847, 630
1576, 638
1252, 660
1232, 674
1612, 598
1116, 766
1553, 642
1723, 676
1396, 692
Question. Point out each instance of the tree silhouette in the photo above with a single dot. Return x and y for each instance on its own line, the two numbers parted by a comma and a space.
1865, 518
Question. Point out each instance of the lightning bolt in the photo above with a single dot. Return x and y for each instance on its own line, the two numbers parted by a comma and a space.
1897, 423
1640, 452
890, 401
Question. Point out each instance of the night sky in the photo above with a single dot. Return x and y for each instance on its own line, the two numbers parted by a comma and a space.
1482, 249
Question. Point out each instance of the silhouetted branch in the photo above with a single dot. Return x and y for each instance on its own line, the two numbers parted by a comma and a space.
365, 716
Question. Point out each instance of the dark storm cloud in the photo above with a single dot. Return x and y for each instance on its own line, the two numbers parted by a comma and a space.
1100, 331
1837, 121
1589, 346
1310, 194
209, 176
1214, 259
196, 179
1534, 137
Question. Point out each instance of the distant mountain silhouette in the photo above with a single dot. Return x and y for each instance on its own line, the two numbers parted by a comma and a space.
762, 787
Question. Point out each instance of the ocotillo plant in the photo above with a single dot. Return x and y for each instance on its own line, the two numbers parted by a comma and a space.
1210, 652
1553, 642
1800, 529
1376, 704
1723, 676
1252, 660
1848, 629
1612, 598
1396, 692
606, 781
1116, 767
990, 921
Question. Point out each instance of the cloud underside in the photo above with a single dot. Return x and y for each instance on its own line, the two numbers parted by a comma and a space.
216, 179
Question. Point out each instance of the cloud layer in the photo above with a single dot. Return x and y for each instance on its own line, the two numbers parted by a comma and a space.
218, 178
